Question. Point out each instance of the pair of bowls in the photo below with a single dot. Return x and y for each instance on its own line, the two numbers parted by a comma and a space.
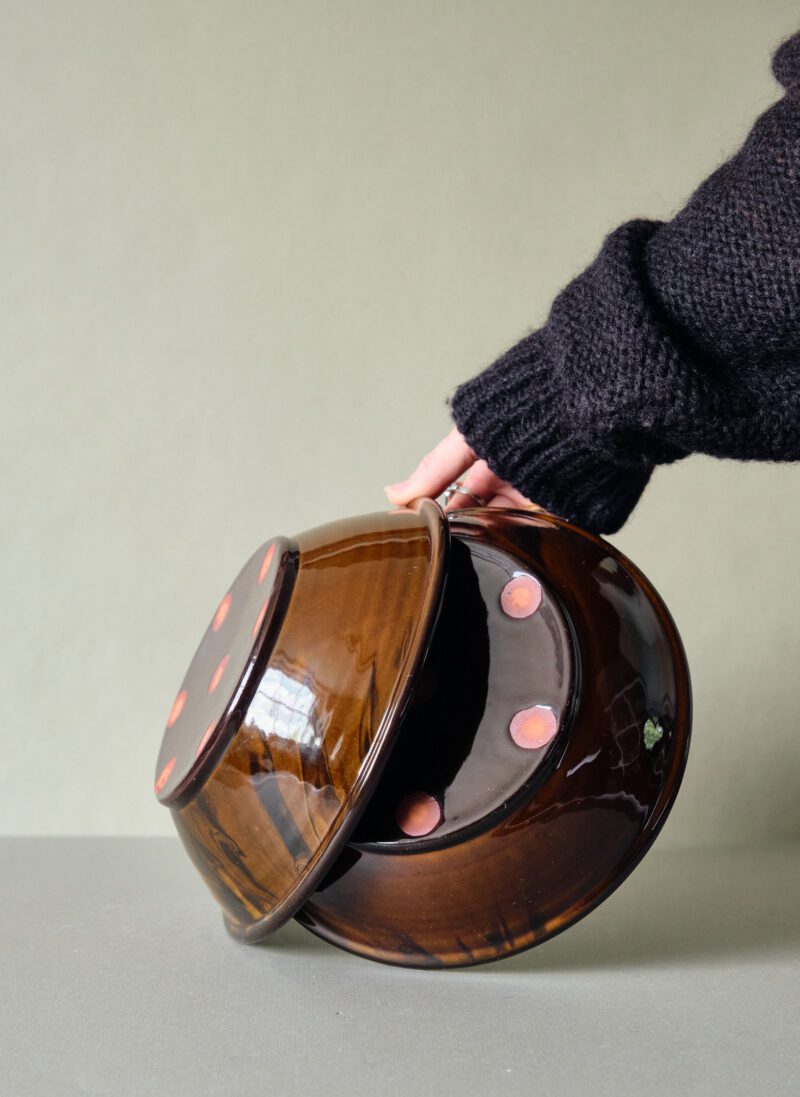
434, 740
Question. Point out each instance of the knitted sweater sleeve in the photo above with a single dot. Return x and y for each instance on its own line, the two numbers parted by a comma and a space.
681, 337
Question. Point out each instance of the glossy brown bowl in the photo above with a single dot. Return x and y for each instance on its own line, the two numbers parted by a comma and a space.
434, 740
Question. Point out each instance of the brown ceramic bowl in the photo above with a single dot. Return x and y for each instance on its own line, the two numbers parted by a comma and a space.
435, 740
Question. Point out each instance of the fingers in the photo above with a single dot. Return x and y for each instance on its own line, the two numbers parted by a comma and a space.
510, 497
481, 481
437, 469
450, 460
507, 500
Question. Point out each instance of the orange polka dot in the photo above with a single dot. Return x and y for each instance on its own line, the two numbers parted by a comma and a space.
206, 736
216, 677
262, 613
222, 613
177, 708
521, 597
164, 775
418, 814
265, 563
533, 727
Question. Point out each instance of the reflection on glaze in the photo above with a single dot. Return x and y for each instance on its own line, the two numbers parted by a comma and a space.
284, 708
583, 762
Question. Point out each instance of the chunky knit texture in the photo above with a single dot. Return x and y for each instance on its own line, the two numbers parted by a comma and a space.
681, 337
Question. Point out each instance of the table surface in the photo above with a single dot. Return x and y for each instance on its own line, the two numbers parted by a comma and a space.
118, 978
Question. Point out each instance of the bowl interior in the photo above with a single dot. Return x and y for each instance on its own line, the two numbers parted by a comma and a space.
490, 708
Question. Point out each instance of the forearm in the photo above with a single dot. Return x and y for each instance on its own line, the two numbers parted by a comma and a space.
681, 337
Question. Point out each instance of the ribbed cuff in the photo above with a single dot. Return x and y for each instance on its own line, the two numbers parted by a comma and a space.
517, 417
570, 416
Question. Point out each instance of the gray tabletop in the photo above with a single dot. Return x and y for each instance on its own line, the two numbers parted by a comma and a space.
118, 978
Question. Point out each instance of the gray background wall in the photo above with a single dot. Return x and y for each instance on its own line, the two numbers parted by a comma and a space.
248, 249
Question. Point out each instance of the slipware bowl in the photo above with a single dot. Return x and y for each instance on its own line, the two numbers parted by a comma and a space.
434, 739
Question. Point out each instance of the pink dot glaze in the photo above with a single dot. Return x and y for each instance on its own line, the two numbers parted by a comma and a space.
521, 596
177, 708
265, 563
216, 677
164, 775
262, 613
222, 613
418, 814
534, 727
206, 736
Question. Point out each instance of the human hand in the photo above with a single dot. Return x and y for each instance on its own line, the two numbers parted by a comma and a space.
453, 460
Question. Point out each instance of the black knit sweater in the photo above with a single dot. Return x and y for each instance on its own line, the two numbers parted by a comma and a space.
681, 337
